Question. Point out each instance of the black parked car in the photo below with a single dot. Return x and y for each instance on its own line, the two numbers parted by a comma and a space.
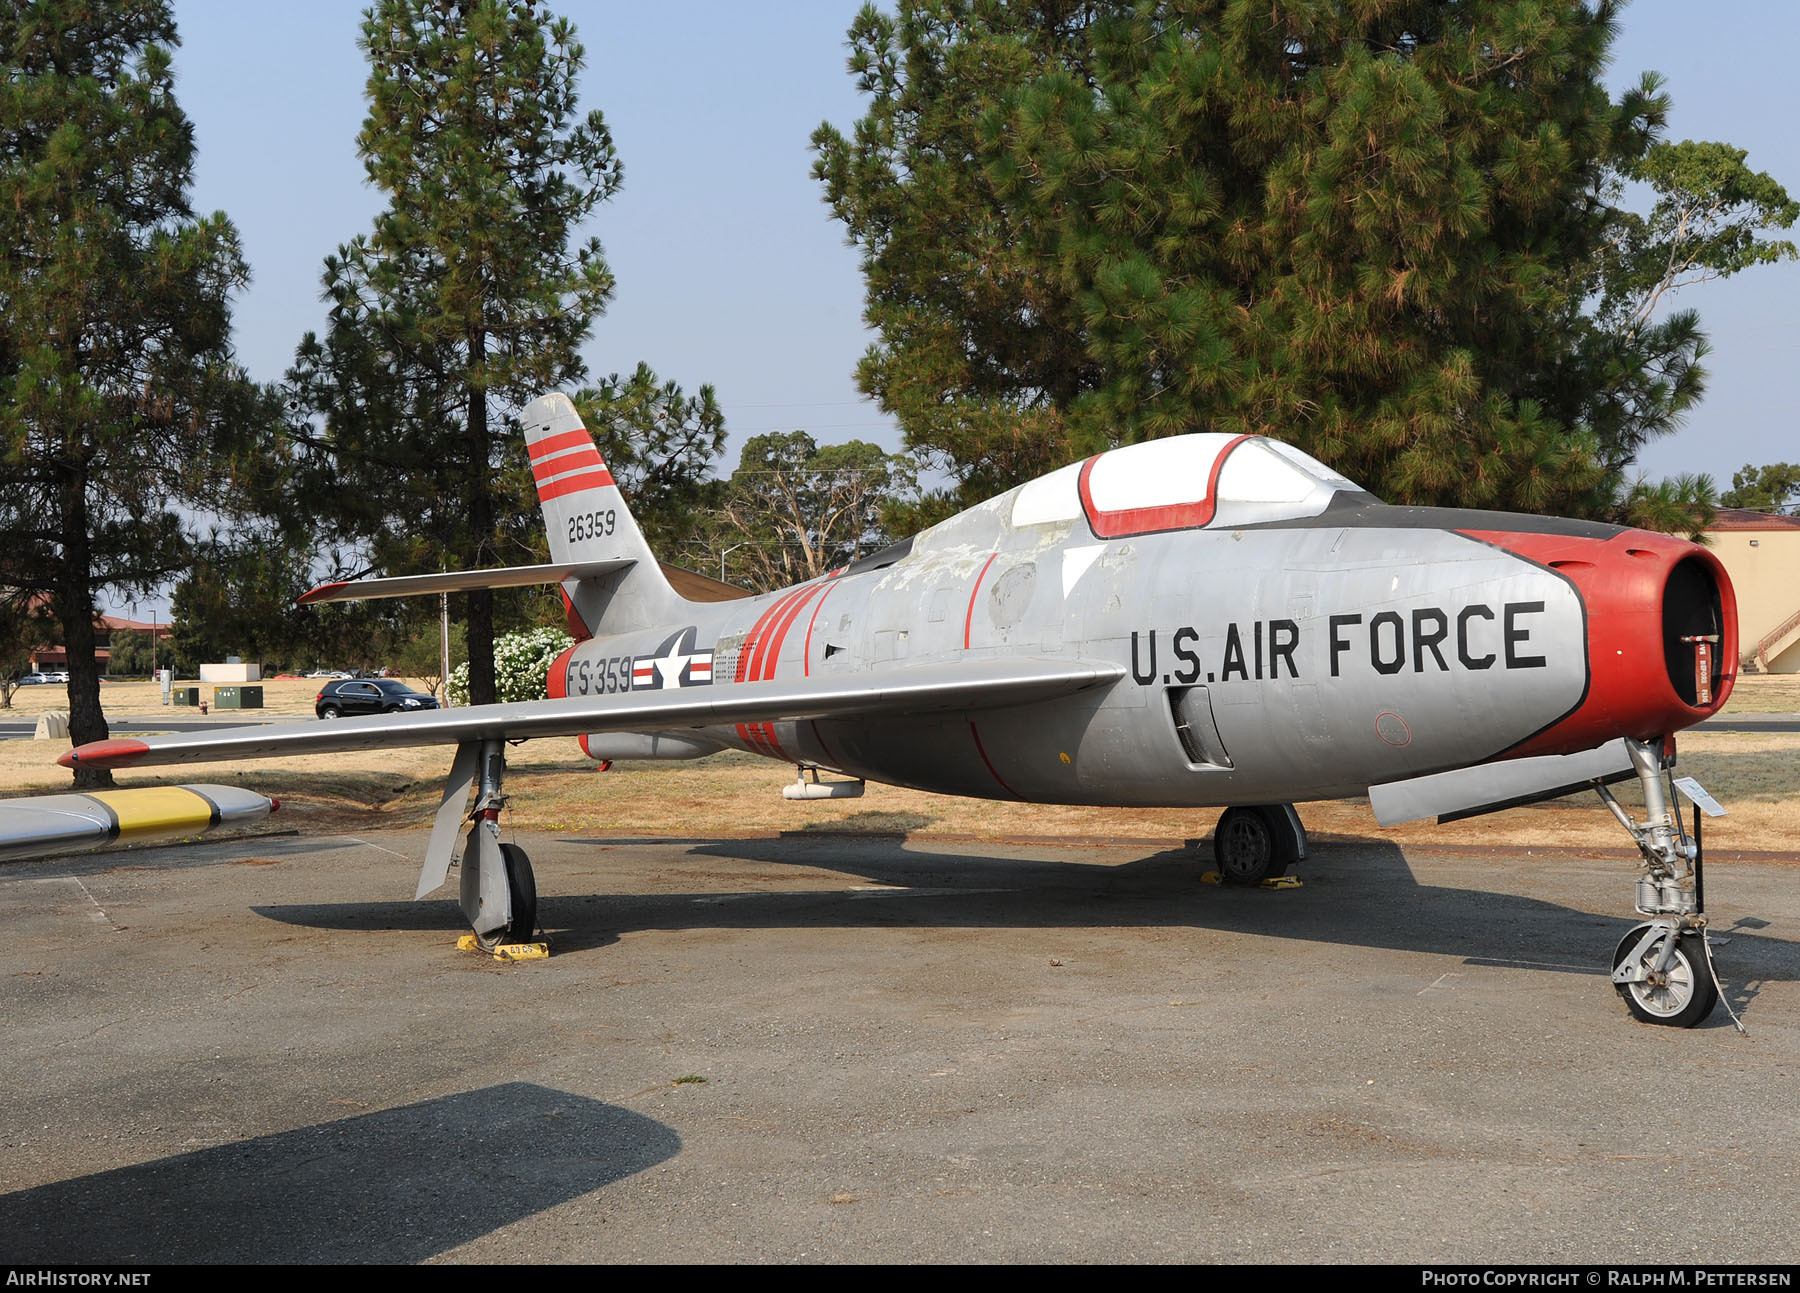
369, 696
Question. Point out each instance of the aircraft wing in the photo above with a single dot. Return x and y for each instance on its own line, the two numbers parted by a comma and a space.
976, 685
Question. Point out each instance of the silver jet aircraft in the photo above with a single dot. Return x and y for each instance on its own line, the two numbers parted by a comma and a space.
1199, 620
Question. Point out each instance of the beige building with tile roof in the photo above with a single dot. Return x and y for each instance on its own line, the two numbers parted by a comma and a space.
1761, 552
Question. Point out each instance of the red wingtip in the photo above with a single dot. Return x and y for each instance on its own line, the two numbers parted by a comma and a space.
274, 804
105, 754
318, 594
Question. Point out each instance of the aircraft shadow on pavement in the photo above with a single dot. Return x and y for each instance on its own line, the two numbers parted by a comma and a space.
401, 1185
1363, 895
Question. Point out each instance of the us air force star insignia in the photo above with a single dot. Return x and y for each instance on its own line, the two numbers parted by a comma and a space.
675, 664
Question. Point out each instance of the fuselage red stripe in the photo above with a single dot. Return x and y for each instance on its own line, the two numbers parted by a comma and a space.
747, 732
754, 637
806, 647
763, 665
969, 619
993, 771
760, 655
753, 642
769, 654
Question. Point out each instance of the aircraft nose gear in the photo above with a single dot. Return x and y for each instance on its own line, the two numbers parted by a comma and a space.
1663, 968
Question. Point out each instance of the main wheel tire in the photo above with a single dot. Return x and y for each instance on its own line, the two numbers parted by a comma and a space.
1244, 847
1687, 994
330, 711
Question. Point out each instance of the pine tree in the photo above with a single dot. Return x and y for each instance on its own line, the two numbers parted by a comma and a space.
119, 398
465, 301
1390, 233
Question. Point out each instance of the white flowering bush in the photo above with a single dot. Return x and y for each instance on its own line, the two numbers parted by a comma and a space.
521, 665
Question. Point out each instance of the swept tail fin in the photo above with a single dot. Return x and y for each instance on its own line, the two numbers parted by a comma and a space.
587, 521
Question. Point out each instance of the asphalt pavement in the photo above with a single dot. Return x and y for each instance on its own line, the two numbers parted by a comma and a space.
816, 1049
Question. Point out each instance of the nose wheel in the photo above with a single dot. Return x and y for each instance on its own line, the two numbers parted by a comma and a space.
1663, 968
1664, 984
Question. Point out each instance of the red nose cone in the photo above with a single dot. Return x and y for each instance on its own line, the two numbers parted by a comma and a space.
1662, 641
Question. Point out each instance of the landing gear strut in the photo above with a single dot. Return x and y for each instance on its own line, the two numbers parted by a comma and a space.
499, 892
1663, 968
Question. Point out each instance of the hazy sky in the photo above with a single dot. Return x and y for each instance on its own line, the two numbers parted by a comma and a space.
730, 269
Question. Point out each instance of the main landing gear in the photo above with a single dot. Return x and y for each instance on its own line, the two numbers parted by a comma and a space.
1257, 842
498, 889
1663, 967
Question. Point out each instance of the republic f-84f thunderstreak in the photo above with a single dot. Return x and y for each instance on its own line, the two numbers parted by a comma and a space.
1199, 620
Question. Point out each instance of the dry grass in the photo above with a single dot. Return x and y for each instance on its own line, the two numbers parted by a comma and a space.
1765, 693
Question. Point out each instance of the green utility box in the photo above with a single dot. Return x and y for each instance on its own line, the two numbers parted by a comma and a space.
185, 696
237, 697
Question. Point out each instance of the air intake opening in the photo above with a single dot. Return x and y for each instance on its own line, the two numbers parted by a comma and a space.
1693, 632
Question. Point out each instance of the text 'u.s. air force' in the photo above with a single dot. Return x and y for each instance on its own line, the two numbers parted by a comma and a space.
1425, 639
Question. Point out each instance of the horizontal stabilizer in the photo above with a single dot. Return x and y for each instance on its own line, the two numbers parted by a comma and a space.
1491, 787
460, 581
963, 686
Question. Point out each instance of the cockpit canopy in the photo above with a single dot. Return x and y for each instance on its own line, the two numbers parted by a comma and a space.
1182, 483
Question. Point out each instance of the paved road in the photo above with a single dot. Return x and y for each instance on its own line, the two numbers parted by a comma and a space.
1752, 723
805, 1049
